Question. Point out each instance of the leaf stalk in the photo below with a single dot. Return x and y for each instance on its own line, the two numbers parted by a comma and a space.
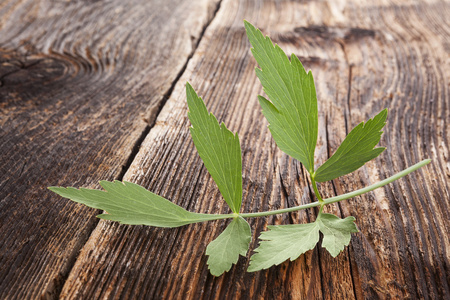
340, 197
316, 191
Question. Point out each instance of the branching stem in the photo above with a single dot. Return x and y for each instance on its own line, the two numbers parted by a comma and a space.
340, 197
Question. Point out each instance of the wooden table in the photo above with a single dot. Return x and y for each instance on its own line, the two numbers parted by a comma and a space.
93, 90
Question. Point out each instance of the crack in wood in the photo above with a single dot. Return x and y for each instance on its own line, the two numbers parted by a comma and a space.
57, 289
286, 195
390, 49
166, 96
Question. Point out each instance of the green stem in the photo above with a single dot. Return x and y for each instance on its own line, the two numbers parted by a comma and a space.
340, 197
320, 211
279, 211
316, 191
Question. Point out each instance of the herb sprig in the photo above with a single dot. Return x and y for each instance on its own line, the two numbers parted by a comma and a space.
293, 118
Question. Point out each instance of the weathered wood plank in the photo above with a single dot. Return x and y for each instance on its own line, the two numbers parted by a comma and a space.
405, 237
80, 82
364, 57
172, 264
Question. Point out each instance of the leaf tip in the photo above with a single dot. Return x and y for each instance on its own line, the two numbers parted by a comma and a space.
105, 183
188, 86
382, 115
248, 25
58, 190
334, 254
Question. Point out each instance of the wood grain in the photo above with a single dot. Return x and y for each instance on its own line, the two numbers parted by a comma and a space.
80, 82
365, 56
356, 54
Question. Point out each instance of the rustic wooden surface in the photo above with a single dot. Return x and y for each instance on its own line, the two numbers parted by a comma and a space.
94, 90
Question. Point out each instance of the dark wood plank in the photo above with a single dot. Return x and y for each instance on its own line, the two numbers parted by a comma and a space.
403, 251
357, 54
80, 82
364, 57
170, 263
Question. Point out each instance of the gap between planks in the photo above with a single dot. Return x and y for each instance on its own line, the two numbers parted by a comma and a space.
148, 128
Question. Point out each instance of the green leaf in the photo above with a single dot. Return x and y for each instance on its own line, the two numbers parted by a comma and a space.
129, 203
283, 242
355, 150
224, 251
336, 232
218, 148
292, 114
